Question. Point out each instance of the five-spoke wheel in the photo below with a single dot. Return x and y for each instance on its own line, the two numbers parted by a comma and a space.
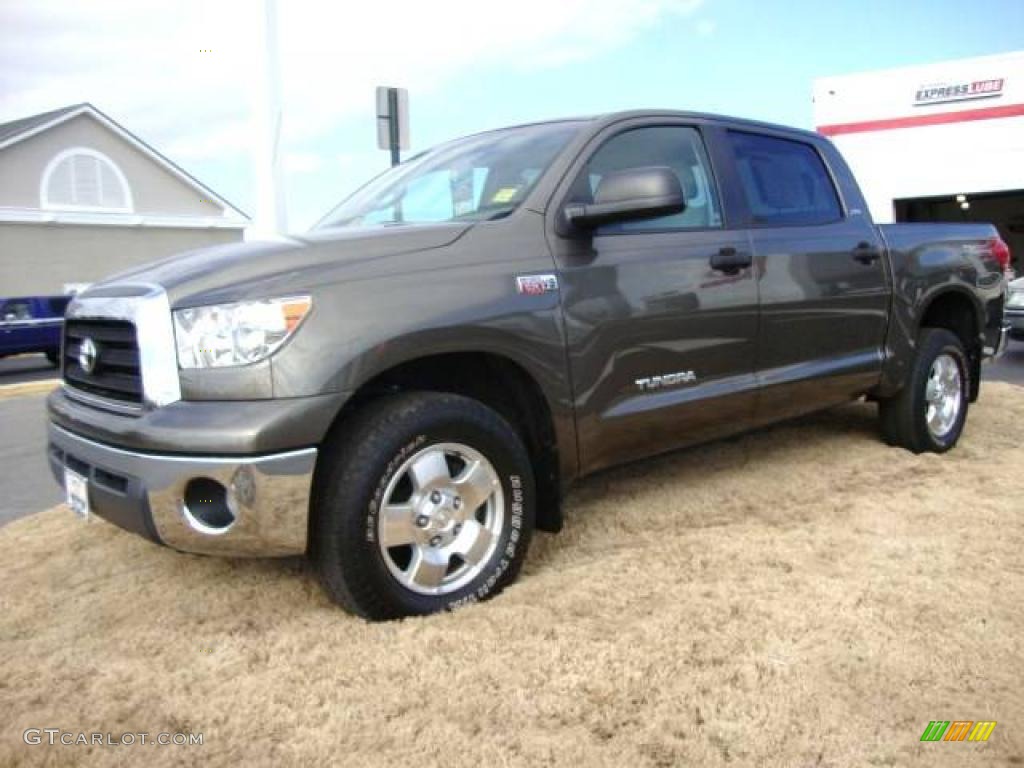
423, 502
929, 412
441, 518
943, 395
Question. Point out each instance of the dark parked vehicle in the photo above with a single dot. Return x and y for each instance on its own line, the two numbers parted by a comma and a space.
1015, 309
406, 392
32, 324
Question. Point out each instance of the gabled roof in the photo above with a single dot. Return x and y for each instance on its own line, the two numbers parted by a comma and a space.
18, 130
25, 124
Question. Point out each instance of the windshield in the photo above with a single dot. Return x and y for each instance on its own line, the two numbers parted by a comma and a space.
472, 179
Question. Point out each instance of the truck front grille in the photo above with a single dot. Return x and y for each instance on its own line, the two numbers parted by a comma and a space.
116, 373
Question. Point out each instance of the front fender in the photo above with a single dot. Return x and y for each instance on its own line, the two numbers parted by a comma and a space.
454, 300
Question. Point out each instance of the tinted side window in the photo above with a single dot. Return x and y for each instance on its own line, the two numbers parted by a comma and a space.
15, 310
785, 182
677, 147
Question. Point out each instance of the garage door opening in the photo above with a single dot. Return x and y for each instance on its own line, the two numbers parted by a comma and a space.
1004, 209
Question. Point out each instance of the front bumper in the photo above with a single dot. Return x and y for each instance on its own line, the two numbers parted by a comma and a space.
146, 494
996, 339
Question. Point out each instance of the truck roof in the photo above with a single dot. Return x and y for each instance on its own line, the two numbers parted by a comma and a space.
608, 118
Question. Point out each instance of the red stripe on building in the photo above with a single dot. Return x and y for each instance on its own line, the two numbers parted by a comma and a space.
940, 118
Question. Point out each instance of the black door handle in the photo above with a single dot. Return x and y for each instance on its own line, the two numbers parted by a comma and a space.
866, 253
730, 261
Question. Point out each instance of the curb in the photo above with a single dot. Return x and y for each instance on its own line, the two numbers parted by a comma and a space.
27, 388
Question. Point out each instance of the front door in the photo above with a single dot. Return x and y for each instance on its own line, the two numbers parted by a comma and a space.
661, 344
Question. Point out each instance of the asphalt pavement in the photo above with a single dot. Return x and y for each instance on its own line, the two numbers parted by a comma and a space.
26, 485
1010, 367
22, 368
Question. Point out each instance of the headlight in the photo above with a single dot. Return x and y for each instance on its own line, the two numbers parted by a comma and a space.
236, 334
1016, 299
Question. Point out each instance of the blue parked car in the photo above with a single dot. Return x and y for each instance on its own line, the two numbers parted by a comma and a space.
32, 324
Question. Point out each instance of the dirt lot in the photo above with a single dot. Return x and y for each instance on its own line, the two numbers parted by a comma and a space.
804, 596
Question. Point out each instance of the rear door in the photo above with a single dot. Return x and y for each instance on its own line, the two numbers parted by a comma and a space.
661, 344
821, 278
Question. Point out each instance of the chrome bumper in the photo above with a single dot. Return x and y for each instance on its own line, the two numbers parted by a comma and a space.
145, 494
1004, 339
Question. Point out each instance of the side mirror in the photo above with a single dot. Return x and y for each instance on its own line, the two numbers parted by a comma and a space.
635, 193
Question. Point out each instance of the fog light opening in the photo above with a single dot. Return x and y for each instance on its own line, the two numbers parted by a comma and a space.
207, 507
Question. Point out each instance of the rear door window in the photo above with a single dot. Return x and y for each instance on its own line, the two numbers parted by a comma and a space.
785, 182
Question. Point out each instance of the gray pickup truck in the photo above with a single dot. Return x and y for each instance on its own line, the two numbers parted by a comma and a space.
407, 391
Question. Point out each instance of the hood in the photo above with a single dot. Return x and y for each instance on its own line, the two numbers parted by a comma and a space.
240, 271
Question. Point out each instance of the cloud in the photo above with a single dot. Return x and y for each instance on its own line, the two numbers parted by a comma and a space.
302, 162
706, 28
141, 63
180, 73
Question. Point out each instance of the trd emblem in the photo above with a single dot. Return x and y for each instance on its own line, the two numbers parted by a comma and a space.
535, 285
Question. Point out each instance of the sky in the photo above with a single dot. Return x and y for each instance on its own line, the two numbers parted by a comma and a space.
180, 74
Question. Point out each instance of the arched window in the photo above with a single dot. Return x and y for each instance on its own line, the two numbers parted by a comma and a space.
81, 178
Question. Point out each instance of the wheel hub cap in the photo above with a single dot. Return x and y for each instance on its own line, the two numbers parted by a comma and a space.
441, 518
943, 396
438, 518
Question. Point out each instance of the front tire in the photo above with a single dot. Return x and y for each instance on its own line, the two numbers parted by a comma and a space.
424, 502
929, 413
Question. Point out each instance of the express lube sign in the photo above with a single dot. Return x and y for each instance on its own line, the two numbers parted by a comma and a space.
945, 92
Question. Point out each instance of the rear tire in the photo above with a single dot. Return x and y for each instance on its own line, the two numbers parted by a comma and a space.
929, 413
424, 502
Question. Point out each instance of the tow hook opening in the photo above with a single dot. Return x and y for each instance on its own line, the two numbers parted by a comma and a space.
207, 506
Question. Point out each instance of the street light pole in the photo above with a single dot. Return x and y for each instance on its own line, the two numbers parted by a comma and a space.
271, 207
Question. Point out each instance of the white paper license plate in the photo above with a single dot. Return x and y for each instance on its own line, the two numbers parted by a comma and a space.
77, 489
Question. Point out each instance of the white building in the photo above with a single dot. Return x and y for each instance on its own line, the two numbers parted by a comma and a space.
81, 197
942, 142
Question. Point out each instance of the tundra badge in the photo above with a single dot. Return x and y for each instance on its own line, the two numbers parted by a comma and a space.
666, 380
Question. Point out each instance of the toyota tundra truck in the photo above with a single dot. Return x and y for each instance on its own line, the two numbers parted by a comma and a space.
407, 391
